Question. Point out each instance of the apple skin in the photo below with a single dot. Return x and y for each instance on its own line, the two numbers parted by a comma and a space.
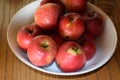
70, 57
59, 2
57, 38
71, 26
89, 46
94, 23
47, 15
26, 34
42, 50
77, 6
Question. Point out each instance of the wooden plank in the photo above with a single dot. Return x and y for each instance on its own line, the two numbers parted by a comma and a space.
114, 69
3, 41
116, 20
14, 70
1, 13
103, 73
92, 76
9, 66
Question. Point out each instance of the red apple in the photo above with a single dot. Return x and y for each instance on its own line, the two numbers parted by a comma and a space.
70, 57
89, 46
46, 16
26, 34
44, 2
42, 50
94, 23
54, 1
71, 26
57, 38
78, 6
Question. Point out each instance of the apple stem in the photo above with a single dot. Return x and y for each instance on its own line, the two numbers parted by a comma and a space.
74, 50
91, 14
71, 19
66, 37
44, 44
29, 31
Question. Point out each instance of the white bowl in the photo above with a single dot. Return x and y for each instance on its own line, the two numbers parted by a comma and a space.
106, 42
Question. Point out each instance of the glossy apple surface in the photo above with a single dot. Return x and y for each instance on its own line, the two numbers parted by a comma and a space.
42, 50
46, 16
71, 26
78, 6
89, 46
94, 23
26, 34
59, 2
70, 57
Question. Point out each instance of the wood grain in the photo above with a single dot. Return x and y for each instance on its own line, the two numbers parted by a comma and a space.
11, 68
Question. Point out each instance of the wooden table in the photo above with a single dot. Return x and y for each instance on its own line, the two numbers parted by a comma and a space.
11, 68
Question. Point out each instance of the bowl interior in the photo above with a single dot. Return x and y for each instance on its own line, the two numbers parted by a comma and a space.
106, 42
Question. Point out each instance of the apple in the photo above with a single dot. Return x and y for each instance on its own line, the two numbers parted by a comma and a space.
89, 46
94, 23
57, 38
70, 57
78, 6
42, 50
71, 26
44, 2
26, 34
47, 15
59, 2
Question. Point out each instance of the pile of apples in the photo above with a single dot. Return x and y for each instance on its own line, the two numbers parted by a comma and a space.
63, 31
